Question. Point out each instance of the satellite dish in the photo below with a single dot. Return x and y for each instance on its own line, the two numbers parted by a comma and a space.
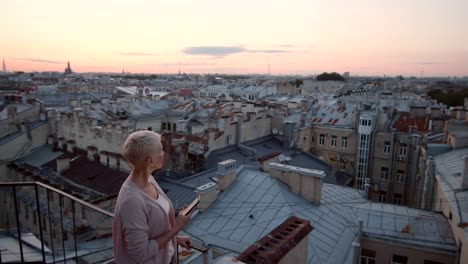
275, 131
266, 108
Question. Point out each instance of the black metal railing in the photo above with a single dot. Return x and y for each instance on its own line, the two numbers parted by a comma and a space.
51, 226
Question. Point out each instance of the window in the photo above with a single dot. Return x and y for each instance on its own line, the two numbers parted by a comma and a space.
342, 166
367, 256
164, 126
313, 138
400, 176
333, 141
382, 196
397, 198
344, 142
322, 140
34, 219
403, 150
397, 259
386, 147
229, 140
384, 173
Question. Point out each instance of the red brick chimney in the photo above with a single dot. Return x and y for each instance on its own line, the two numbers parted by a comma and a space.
287, 243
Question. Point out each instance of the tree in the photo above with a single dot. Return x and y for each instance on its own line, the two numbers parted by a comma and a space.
298, 82
330, 77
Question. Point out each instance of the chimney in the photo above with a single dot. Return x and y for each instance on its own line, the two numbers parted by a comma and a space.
92, 151
226, 173
104, 157
465, 172
70, 146
63, 164
240, 120
61, 143
113, 160
211, 137
50, 140
305, 182
287, 243
366, 188
124, 165
208, 193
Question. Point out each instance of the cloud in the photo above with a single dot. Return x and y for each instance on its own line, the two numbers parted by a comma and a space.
137, 54
430, 62
285, 46
171, 64
271, 51
215, 51
222, 51
40, 60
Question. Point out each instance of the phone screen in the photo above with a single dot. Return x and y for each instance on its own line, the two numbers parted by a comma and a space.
192, 206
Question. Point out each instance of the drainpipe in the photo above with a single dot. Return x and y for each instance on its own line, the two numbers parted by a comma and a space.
430, 185
357, 245
415, 139
391, 171
240, 120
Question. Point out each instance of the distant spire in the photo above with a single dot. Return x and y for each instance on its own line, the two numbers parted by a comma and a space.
123, 70
68, 70
4, 66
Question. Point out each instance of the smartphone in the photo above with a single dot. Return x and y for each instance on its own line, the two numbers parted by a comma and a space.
192, 206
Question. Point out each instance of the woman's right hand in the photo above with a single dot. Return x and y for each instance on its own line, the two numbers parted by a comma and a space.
182, 219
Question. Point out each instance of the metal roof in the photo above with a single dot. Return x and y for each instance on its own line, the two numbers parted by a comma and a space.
256, 203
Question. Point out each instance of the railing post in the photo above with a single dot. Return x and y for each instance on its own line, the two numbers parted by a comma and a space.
40, 223
74, 231
50, 225
61, 225
18, 224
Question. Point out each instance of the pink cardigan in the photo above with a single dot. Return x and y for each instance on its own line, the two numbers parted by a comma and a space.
138, 220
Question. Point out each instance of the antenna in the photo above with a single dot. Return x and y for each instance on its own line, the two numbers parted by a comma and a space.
269, 68
422, 72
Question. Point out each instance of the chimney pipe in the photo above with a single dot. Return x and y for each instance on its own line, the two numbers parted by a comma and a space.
465, 172
63, 164
366, 188
240, 120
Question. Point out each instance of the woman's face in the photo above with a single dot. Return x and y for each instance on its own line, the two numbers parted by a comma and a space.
157, 157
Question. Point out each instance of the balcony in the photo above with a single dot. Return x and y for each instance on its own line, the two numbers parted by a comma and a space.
42, 224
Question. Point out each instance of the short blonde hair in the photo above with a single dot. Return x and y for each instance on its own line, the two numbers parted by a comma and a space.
139, 145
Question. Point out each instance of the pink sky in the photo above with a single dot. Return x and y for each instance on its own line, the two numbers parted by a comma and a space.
371, 37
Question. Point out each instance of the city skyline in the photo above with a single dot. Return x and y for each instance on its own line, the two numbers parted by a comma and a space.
303, 37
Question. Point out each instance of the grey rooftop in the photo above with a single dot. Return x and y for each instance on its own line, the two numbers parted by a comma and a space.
256, 203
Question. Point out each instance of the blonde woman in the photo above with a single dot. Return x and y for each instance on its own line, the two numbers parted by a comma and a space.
145, 227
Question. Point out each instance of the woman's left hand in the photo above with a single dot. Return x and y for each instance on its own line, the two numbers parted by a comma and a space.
184, 241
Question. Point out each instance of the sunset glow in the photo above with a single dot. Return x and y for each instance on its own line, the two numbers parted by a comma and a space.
372, 37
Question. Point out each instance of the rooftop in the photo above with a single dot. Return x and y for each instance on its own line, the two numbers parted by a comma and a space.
256, 203
449, 171
268, 145
404, 121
